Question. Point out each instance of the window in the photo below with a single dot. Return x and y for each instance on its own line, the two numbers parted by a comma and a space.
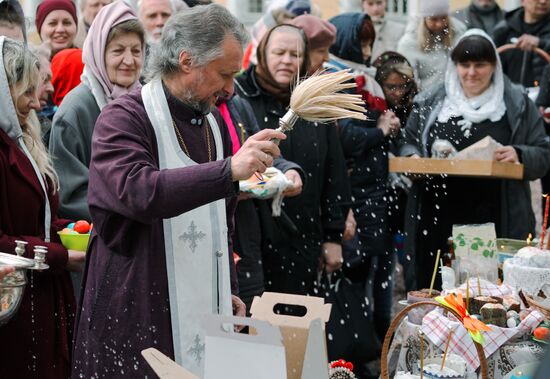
255, 6
398, 9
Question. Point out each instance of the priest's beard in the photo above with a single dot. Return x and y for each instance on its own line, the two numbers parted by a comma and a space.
190, 97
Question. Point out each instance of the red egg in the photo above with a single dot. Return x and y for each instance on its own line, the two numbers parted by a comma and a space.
82, 226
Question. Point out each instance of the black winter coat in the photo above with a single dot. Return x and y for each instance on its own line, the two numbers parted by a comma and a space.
513, 26
247, 237
318, 214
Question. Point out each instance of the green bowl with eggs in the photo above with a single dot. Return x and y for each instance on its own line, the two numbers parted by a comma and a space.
74, 241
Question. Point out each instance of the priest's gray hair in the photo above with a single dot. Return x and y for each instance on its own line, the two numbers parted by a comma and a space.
200, 31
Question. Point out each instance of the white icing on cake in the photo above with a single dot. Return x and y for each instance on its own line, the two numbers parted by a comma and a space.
528, 270
403, 375
532, 257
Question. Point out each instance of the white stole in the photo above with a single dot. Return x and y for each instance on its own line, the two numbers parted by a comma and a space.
196, 244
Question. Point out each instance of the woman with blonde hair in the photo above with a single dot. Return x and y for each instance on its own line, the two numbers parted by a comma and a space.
428, 42
37, 339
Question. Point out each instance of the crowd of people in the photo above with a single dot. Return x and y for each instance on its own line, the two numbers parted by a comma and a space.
143, 117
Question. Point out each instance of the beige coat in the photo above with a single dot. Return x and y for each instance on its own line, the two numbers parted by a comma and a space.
388, 34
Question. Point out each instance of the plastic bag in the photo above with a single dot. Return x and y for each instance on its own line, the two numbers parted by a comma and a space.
269, 185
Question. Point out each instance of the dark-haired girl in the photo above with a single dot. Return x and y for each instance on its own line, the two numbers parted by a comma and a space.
475, 101
395, 75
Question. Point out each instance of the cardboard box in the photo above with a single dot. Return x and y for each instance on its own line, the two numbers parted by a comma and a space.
164, 367
303, 336
243, 356
453, 167
230, 355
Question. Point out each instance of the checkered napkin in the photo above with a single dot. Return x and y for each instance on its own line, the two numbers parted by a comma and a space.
435, 326
487, 288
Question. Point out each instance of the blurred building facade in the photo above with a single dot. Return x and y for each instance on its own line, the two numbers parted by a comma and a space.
250, 10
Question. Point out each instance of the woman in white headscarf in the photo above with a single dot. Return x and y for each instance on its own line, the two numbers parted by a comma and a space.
475, 101
113, 58
36, 341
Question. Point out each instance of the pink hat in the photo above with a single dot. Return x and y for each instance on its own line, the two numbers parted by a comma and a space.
320, 33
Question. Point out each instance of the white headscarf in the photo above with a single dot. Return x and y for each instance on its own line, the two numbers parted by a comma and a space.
9, 123
487, 106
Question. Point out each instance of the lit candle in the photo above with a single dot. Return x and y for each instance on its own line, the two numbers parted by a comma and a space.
544, 221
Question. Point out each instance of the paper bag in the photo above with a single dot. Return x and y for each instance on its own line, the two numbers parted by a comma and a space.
476, 251
230, 355
303, 336
233, 355
164, 367
483, 149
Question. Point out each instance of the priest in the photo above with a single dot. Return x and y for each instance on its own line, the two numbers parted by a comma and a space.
162, 193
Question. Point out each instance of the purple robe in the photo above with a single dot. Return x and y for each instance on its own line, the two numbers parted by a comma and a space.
124, 305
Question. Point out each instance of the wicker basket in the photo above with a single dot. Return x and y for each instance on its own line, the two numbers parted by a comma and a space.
544, 310
385, 374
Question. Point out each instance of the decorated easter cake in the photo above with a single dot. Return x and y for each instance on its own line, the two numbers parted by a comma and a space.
529, 271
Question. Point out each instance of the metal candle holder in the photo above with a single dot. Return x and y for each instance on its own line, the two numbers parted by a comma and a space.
12, 286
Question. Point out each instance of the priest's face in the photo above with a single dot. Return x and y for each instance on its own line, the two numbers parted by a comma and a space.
214, 80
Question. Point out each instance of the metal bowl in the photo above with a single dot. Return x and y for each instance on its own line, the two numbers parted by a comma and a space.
12, 286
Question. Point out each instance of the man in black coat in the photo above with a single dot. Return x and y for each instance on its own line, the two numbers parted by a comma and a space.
481, 14
528, 27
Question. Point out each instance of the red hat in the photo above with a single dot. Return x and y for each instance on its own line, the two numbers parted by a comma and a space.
67, 68
48, 6
320, 33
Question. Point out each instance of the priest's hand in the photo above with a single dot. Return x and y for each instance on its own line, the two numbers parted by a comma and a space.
256, 154
331, 254
297, 184
76, 261
239, 310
